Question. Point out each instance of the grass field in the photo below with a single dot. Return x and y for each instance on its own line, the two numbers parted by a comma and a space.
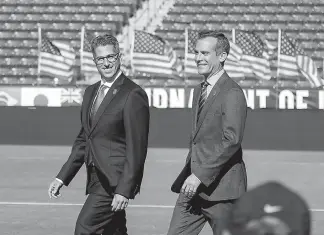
26, 172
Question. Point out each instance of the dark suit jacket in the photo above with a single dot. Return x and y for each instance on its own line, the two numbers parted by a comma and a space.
215, 154
117, 137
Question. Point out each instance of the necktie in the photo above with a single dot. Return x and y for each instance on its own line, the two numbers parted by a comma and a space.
203, 97
100, 96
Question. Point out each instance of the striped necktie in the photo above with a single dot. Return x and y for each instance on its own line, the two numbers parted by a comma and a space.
203, 97
99, 98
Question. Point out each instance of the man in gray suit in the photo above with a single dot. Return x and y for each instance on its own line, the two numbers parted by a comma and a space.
214, 175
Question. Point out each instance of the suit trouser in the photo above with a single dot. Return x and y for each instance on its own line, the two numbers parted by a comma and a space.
190, 216
96, 216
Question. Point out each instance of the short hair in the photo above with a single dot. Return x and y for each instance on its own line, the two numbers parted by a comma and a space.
103, 40
222, 44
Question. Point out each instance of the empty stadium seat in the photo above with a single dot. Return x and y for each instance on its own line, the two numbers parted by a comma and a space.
56, 8
7, 34
25, 26
13, 61
23, 34
31, 52
303, 84
287, 8
29, 61
266, 83
248, 83
318, 8
286, 17
7, 9
14, 43
75, 26
5, 16
35, 17
6, 52
70, 35
287, 83
39, 8
59, 26
24, 8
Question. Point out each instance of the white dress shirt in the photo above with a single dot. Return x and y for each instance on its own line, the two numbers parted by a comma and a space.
213, 79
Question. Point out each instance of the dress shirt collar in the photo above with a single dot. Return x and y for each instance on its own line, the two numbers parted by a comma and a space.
109, 84
213, 79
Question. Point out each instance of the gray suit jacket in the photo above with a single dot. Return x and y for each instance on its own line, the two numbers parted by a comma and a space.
215, 153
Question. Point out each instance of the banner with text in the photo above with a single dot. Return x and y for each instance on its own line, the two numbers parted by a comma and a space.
164, 97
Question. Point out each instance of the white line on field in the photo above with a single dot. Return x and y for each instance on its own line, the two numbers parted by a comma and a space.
74, 204
80, 204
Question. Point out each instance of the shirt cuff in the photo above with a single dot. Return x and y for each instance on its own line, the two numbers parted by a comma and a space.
196, 177
59, 180
122, 195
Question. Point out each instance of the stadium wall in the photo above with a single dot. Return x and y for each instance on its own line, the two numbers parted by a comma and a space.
265, 128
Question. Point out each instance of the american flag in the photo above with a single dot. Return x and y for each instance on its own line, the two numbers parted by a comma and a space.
87, 63
232, 66
288, 51
308, 68
253, 61
293, 62
190, 64
152, 54
55, 58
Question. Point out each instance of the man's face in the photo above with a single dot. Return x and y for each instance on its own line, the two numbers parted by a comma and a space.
207, 60
107, 61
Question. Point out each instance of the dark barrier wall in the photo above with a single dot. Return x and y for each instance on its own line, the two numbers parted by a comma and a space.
265, 129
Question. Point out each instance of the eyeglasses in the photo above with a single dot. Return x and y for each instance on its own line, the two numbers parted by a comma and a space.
110, 58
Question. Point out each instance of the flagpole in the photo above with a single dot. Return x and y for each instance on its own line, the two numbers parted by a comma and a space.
186, 52
278, 57
233, 36
132, 44
81, 49
278, 64
323, 68
39, 50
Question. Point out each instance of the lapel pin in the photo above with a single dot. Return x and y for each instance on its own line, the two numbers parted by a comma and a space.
115, 91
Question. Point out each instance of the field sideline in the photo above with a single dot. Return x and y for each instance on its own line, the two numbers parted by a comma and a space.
27, 170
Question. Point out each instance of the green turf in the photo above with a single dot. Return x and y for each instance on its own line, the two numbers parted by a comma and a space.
26, 172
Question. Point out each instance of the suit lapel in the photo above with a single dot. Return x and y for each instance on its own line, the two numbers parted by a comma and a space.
111, 94
210, 99
88, 100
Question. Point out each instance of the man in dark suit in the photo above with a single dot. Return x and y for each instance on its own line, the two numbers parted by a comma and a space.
112, 143
214, 175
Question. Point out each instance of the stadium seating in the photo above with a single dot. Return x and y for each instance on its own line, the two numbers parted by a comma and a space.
61, 20
300, 19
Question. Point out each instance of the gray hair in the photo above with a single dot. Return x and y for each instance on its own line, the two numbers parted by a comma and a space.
103, 40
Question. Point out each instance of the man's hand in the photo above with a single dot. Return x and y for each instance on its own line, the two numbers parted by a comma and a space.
54, 189
189, 187
119, 203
